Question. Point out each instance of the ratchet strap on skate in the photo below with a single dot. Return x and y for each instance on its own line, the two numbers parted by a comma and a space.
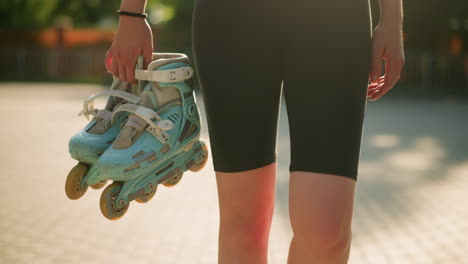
88, 106
156, 126
172, 75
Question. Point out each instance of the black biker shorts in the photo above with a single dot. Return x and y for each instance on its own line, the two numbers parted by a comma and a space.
315, 52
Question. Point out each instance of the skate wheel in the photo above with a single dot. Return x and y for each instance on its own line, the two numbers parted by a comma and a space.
107, 202
99, 185
73, 187
175, 179
147, 196
204, 158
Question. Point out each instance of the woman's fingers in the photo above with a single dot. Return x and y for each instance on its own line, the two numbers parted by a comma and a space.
392, 75
147, 55
374, 88
123, 66
108, 60
380, 80
114, 68
130, 71
122, 72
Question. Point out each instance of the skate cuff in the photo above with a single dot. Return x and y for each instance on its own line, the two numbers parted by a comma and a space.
156, 126
88, 106
172, 75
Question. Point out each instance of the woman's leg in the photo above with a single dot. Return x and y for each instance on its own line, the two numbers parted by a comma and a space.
325, 87
320, 207
246, 202
238, 61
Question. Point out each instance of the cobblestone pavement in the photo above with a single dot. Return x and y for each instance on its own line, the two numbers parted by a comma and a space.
410, 204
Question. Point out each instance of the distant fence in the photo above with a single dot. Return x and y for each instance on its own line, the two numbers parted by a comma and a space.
65, 54
424, 73
49, 64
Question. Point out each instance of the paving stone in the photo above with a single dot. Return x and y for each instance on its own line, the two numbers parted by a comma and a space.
409, 208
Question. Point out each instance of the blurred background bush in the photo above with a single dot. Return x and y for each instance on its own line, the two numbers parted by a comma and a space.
59, 40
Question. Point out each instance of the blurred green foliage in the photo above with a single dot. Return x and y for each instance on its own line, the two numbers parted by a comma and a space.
27, 13
429, 23
35, 14
426, 21
183, 12
430, 28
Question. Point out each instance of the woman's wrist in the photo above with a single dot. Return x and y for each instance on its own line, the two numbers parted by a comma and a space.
391, 14
135, 6
131, 19
390, 27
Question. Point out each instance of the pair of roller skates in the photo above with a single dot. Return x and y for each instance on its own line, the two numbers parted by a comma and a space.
148, 134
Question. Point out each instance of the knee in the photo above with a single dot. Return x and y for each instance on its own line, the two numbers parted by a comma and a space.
324, 238
246, 210
249, 228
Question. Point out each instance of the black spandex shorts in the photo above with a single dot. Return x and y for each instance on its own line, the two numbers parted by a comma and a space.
316, 51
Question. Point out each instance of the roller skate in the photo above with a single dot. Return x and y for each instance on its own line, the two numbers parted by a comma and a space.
88, 144
159, 141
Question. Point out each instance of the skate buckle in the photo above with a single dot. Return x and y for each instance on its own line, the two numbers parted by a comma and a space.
165, 124
172, 75
189, 72
158, 133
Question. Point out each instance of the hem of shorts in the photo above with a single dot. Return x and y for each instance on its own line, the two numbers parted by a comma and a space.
251, 166
353, 175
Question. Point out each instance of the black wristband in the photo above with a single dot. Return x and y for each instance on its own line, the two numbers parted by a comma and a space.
125, 13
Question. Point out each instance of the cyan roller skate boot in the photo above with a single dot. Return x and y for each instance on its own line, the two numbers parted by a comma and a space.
88, 144
159, 141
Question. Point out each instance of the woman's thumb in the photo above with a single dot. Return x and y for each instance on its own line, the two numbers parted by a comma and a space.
108, 60
147, 56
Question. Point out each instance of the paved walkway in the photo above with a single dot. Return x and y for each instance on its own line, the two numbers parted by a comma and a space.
410, 204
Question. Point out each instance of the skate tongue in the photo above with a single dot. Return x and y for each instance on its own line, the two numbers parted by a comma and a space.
103, 116
129, 133
164, 95
135, 125
103, 122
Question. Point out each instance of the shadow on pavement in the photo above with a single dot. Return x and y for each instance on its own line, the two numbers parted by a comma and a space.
407, 144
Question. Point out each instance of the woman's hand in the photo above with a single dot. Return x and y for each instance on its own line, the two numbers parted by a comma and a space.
387, 44
132, 38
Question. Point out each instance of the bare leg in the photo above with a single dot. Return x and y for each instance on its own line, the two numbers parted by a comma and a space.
246, 203
320, 207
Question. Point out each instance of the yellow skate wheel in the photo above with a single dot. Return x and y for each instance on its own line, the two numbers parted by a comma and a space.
108, 200
200, 165
73, 187
147, 196
99, 185
175, 179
